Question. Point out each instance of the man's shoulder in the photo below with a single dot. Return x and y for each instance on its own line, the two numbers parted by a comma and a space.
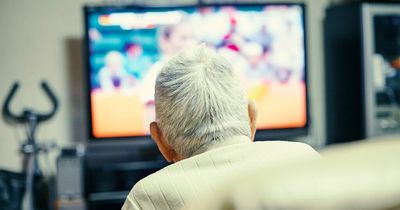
151, 178
156, 178
287, 147
142, 191
163, 189
286, 144
292, 145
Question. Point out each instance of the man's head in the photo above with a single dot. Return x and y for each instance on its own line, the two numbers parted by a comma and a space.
199, 101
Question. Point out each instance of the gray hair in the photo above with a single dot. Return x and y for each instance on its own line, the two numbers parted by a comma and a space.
199, 100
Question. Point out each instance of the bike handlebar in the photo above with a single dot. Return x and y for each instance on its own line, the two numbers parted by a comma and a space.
23, 117
53, 100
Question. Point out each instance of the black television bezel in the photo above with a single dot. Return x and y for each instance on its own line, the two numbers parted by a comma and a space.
261, 134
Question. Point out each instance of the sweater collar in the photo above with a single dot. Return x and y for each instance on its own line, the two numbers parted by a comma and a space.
223, 143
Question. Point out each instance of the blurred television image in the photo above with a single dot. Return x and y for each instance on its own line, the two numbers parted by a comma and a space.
127, 47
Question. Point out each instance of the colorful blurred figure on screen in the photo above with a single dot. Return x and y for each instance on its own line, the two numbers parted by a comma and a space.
113, 76
136, 62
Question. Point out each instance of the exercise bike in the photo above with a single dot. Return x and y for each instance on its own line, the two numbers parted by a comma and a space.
30, 148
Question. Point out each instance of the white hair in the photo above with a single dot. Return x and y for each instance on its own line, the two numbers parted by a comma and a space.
199, 101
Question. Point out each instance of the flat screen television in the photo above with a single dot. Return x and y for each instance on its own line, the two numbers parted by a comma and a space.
127, 45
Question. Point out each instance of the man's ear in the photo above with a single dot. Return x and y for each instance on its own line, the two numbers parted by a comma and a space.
156, 134
252, 109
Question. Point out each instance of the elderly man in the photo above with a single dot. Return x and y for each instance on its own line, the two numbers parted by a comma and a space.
206, 126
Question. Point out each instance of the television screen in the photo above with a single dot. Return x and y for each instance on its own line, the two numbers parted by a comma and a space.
127, 46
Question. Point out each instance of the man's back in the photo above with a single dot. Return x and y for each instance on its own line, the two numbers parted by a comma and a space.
183, 182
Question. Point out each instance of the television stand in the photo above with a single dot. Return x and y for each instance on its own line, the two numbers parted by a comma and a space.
113, 168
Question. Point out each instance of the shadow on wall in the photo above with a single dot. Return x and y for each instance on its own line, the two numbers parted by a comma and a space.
75, 67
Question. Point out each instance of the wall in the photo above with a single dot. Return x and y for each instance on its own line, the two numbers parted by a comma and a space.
33, 46
41, 39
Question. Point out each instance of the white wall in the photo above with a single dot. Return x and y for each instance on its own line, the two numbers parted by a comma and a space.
36, 38
33, 46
